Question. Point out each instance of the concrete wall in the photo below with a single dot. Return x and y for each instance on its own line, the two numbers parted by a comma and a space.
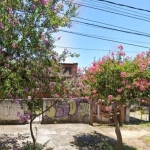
75, 111
8, 111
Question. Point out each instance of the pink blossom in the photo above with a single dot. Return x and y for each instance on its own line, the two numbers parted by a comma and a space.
112, 54
10, 10
123, 74
110, 97
71, 98
56, 95
94, 95
14, 45
79, 69
49, 69
51, 85
26, 89
128, 86
94, 64
123, 82
87, 97
142, 88
27, 116
18, 113
33, 6
46, 42
9, 95
120, 47
94, 91
121, 53
121, 64
1, 25
119, 90
148, 84
80, 84
44, 2
7, 66
21, 119
107, 108
16, 101
96, 103
9, 57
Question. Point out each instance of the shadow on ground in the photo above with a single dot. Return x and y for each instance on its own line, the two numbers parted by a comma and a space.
8, 142
96, 141
136, 121
19, 142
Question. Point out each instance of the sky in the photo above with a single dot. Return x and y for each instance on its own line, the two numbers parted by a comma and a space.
88, 56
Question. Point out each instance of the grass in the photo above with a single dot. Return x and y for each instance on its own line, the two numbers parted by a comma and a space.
147, 124
147, 139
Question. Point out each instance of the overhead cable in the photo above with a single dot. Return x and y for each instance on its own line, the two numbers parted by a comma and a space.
126, 13
110, 2
110, 25
114, 6
104, 27
92, 49
105, 39
115, 13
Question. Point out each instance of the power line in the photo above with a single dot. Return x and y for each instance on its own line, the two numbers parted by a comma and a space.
118, 38
115, 10
104, 27
115, 13
105, 39
111, 5
110, 2
110, 25
87, 49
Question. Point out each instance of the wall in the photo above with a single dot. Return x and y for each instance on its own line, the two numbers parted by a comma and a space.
75, 111
8, 111
103, 116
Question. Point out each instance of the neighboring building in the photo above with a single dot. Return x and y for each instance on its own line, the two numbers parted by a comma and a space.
70, 68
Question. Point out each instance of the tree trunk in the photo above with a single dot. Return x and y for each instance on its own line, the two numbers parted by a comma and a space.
91, 114
117, 129
32, 135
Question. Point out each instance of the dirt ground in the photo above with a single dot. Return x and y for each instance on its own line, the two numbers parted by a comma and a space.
137, 136
62, 136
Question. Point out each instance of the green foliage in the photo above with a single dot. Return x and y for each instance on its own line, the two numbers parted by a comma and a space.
147, 139
26, 45
29, 65
125, 80
30, 146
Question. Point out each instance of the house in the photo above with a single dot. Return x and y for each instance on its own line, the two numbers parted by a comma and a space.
70, 68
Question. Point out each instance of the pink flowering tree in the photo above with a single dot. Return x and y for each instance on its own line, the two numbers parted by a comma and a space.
29, 65
119, 80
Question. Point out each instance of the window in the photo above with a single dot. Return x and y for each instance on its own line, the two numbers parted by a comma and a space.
68, 70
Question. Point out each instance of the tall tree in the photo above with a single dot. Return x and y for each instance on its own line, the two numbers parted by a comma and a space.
119, 80
29, 65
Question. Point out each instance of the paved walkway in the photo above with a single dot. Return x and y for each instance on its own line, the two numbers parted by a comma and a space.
61, 136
